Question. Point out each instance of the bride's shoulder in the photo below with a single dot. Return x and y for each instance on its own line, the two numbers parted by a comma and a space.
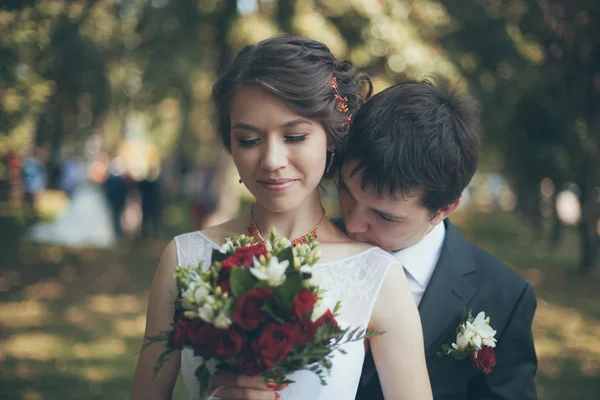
217, 233
343, 247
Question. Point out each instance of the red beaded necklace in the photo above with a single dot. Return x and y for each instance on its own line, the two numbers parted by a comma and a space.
258, 238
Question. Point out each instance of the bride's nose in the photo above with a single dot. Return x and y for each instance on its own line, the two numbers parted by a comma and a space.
274, 155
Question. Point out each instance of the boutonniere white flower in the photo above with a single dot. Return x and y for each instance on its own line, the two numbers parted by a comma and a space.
474, 339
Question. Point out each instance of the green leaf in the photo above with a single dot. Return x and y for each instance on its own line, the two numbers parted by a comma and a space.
269, 311
286, 292
241, 281
162, 359
218, 256
203, 377
287, 254
162, 337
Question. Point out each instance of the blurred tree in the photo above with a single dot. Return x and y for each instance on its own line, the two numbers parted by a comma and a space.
536, 68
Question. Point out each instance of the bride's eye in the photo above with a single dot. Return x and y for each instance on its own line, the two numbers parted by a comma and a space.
248, 142
295, 138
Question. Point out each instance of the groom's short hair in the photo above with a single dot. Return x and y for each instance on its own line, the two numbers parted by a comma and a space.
417, 137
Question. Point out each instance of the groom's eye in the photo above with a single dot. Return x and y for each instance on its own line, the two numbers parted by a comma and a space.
385, 219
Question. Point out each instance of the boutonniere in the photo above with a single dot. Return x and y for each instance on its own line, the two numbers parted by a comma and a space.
474, 339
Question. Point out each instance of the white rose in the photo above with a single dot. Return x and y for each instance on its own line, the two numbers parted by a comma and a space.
222, 321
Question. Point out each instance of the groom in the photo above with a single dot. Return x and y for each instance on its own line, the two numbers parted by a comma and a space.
412, 150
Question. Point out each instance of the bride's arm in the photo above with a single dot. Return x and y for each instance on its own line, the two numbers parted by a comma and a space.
158, 318
399, 353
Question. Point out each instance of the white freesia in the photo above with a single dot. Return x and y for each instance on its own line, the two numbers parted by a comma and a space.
188, 297
207, 313
462, 342
222, 321
320, 308
475, 334
273, 272
227, 247
481, 325
200, 293
317, 278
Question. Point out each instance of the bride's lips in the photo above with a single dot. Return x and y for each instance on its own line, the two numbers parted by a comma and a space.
276, 184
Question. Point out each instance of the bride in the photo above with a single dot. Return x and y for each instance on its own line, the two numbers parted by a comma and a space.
284, 107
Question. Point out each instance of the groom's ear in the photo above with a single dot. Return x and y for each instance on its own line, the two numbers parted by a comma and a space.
445, 212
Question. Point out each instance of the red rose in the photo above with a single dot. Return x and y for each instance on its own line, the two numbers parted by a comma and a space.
228, 343
304, 303
484, 359
244, 256
275, 342
201, 336
225, 286
248, 313
304, 332
327, 316
247, 362
178, 335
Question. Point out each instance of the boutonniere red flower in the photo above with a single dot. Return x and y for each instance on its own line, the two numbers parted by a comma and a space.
474, 339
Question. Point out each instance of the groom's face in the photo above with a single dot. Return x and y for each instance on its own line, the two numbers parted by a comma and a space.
390, 223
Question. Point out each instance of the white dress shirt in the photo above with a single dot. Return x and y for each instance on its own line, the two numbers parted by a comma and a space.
419, 260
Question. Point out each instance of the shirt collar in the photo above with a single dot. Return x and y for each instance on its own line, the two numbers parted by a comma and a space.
419, 260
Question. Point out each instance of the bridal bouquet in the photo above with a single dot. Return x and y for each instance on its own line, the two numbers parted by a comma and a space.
258, 310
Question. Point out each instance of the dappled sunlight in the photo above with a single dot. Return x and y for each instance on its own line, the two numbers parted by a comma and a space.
115, 305
32, 394
128, 327
562, 333
78, 317
44, 290
30, 313
32, 346
106, 348
45, 347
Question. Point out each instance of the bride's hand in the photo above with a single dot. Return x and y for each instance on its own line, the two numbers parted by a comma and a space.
226, 385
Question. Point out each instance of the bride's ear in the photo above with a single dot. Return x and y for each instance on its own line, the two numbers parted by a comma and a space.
445, 212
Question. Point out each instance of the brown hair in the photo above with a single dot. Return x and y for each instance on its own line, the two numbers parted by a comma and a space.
299, 71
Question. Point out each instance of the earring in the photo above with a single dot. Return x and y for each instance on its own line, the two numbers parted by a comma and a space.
240, 181
330, 163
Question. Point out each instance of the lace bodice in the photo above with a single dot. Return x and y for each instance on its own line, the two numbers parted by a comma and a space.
355, 280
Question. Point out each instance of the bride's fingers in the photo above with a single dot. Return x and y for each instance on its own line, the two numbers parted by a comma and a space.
237, 393
240, 381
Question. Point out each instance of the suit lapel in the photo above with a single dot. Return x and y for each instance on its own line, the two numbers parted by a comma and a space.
448, 291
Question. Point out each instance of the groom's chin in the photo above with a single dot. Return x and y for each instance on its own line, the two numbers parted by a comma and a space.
360, 238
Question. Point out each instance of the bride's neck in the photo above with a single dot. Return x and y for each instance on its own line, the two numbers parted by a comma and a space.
290, 223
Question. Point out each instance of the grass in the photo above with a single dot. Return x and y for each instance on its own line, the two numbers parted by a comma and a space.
71, 320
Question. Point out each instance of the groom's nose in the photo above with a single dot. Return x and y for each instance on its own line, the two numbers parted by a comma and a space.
355, 221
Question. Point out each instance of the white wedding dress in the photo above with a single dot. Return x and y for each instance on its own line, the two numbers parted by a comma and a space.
355, 280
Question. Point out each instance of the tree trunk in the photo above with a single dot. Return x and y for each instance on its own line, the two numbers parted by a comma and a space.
588, 229
557, 225
285, 15
227, 194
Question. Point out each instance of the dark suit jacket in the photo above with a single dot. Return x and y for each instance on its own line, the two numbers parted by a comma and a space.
466, 277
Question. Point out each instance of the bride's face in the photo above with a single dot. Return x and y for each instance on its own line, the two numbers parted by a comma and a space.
280, 155
390, 223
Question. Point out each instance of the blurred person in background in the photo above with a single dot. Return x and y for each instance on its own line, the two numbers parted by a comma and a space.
116, 187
